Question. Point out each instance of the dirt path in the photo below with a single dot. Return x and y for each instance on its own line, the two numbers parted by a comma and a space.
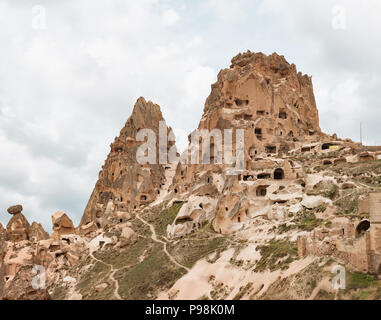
155, 239
111, 275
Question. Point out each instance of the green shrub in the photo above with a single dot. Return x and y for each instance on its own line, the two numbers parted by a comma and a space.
277, 254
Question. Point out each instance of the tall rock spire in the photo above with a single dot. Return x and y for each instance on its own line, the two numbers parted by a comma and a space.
123, 183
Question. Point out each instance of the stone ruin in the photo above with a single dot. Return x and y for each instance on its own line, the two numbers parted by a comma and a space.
355, 242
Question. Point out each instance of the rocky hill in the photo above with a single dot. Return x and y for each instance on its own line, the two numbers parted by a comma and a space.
303, 203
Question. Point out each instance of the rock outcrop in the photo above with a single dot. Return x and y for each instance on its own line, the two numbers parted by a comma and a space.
18, 227
275, 106
124, 184
62, 224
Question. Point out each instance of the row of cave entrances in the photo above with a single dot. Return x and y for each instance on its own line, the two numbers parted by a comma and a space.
277, 175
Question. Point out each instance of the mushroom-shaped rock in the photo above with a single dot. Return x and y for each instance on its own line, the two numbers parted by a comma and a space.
15, 209
62, 224
18, 227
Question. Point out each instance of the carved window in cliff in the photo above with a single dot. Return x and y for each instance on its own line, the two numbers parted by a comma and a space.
282, 115
248, 178
270, 149
264, 176
258, 133
261, 191
326, 146
362, 227
143, 197
260, 113
278, 174
239, 102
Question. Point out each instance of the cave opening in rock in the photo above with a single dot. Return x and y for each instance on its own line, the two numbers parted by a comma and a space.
278, 174
282, 115
264, 176
261, 191
326, 146
270, 149
248, 178
362, 227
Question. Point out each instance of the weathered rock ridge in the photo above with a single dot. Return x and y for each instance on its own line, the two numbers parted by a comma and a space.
124, 184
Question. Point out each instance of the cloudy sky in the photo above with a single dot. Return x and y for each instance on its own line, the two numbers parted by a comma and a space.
70, 72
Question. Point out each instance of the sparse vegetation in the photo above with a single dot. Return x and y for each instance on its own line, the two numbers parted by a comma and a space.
144, 280
59, 292
243, 291
356, 280
195, 247
161, 217
126, 257
93, 277
333, 192
277, 254
307, 221
324, 295
348, 204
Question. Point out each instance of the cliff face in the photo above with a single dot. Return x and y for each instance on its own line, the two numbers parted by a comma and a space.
266, 96
275, 107
123, 183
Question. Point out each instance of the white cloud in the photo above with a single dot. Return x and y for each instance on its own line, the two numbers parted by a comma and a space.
170, 17
228, 10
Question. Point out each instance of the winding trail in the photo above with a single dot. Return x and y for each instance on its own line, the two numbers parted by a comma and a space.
111, 275
155, 239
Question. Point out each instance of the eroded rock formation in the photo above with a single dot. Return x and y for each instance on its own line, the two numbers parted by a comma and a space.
124, 184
